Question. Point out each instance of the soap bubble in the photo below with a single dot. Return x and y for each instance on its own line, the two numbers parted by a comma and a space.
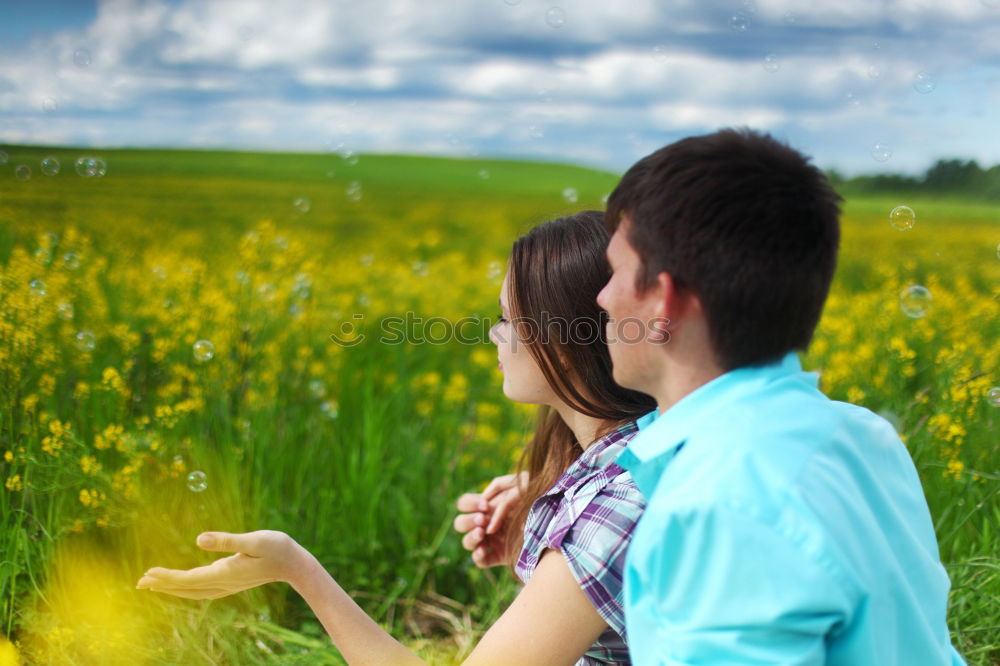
570, 195
50, 166
85, 341
49, 105
317, 389
874, 72
512, 2
915, 301
367, 259
354, 191
90, 167
555, 17
81, 57
535, 132
852, 98
902, 218
771, 63
204, 351
739, 22
43, 256
993, 396
197, 481
789, 18
349, 157
998, 250
331, 408
924, 83
484, 174
65, 310
22, 172
266, 291
159, 272
37, 287
3, 157
420, 268
301, 204
71, 260
494, 271
659, 53
881, 151
749, 6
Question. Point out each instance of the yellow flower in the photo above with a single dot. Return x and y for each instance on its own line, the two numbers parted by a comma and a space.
955, 468
14, 483
8, 456
89, 465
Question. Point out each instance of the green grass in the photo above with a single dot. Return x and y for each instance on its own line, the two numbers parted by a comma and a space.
163, 240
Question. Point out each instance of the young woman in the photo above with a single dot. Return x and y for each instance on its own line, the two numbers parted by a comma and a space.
566, 538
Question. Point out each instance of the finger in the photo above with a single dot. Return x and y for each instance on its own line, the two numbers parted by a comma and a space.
497, 485
470, 502
473, 539
224, 542
192, 593
466, 521
198, 577
485, 557
500, 513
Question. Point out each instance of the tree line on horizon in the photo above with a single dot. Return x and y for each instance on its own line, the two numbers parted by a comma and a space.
945, 177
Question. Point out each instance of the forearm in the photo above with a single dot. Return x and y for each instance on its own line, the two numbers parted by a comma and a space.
359, 638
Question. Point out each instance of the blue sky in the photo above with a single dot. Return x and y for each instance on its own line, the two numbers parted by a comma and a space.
583, 81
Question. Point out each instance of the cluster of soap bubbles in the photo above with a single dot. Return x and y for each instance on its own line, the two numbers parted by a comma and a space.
90, 167
570, 195
302, 204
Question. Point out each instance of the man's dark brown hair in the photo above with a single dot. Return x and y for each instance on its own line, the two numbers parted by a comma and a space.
744, 222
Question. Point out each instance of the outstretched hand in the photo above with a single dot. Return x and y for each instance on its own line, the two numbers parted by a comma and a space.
264, 556
482, 518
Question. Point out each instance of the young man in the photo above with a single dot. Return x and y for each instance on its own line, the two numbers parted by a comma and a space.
782, 527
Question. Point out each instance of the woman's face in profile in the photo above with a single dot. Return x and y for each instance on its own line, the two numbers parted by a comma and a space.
523, 381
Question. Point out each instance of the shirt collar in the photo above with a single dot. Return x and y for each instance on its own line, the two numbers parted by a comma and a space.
660, 435
596, 458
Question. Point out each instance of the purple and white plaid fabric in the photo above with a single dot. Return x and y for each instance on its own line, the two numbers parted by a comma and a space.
589, 516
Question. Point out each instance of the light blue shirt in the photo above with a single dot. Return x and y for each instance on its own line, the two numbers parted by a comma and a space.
782, 528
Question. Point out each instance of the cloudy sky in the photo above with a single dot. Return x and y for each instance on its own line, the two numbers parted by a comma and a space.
862, 85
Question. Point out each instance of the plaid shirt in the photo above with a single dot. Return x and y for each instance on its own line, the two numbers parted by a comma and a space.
588, 516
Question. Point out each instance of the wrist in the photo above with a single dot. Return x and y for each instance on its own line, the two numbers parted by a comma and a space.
304, 566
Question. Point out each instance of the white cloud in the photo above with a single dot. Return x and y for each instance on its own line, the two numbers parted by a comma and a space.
403, 75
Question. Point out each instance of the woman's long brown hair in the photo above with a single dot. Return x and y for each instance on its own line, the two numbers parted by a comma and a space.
556, 271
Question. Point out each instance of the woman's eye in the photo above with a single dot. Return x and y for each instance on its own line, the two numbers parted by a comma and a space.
500, 318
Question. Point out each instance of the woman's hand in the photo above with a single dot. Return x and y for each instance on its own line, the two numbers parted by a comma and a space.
265, 556
482, 518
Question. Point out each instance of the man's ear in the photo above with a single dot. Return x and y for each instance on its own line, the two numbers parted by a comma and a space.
672, 302
665, 295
